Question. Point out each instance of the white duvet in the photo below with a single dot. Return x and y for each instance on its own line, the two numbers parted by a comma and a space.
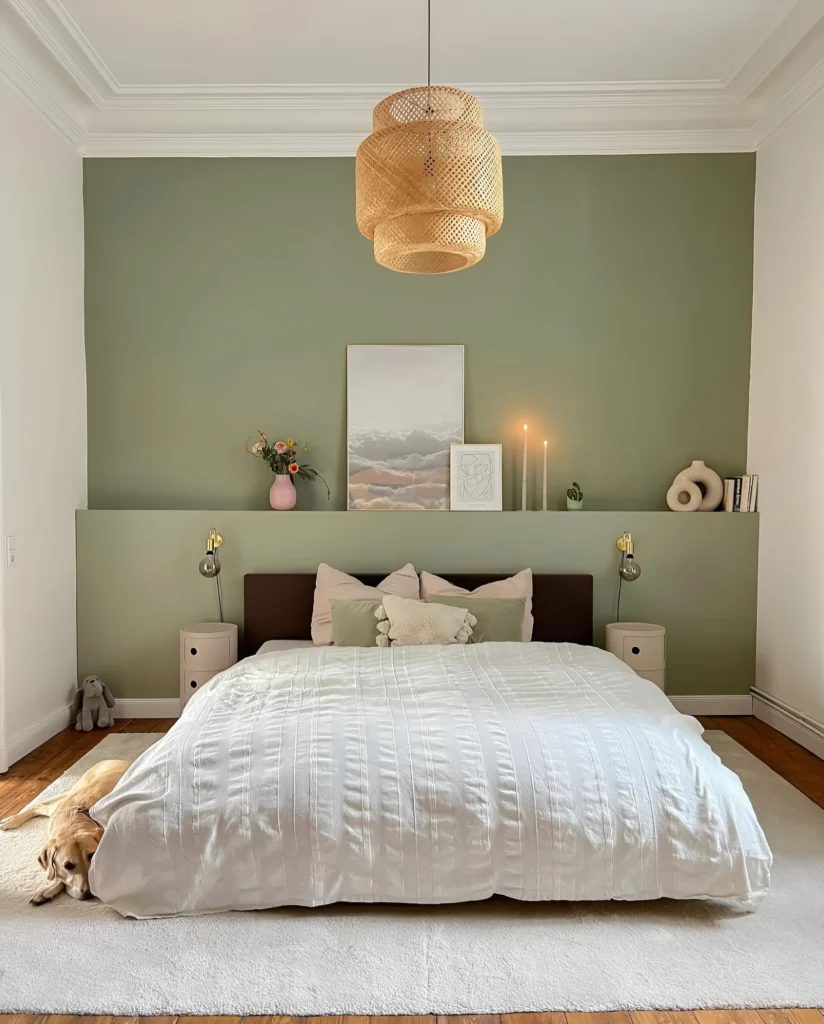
426, 775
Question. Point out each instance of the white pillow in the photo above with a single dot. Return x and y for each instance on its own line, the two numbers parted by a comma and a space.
331, 583
405, 623
519, 585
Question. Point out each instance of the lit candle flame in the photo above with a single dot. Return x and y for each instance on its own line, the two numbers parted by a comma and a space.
525, 426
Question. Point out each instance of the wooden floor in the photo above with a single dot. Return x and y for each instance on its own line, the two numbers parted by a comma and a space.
803, 769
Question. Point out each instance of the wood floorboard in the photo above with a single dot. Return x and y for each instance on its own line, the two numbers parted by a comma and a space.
11, 800
804, 770
798, 766
153, 725
532, 1018
207, 1020
443, 1018
663, 1017
277, 1020
281, 1019
611, 1017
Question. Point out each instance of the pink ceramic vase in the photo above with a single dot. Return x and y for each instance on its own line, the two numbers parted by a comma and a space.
282, 493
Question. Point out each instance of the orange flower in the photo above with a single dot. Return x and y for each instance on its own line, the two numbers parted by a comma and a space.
293, 467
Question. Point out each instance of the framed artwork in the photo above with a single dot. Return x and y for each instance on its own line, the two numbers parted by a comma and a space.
405, 410
475, 478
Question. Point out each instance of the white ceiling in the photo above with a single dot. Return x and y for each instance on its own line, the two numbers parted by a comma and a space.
299, 77
257, 42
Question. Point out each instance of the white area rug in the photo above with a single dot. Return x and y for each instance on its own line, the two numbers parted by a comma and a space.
490, 957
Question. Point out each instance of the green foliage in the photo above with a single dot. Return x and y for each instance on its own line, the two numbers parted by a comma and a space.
575, 493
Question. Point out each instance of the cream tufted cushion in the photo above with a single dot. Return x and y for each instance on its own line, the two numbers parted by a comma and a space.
405, 623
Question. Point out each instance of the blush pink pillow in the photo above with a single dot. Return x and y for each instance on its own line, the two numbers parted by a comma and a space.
331, 583
519, 585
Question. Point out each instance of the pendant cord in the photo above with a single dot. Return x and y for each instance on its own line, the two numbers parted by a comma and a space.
428, 45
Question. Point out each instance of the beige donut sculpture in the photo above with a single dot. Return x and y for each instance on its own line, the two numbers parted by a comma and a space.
696, 489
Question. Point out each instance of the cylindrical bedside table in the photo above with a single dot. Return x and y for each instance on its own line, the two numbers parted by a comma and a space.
206, 648
642, 646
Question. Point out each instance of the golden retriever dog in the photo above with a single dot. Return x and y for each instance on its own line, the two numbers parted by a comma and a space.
73, 835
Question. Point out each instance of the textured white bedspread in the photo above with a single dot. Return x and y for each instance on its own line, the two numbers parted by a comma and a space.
426, 775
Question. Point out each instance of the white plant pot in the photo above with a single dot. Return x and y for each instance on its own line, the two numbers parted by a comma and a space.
574, 506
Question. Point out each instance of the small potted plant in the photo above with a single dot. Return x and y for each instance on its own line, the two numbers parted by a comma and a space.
575, 497
282, 458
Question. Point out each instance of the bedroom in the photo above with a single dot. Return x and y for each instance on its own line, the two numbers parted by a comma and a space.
184, 269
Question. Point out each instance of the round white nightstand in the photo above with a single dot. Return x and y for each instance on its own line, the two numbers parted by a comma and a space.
642, 646
206, 648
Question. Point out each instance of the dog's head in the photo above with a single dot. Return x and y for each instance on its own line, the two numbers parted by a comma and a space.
68, 859
92, 686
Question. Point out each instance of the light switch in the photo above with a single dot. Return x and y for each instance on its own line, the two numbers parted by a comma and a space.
11, 551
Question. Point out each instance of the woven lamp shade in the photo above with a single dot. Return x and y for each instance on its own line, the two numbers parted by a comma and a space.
429, 184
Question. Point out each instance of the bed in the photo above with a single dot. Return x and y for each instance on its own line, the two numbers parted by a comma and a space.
541, 771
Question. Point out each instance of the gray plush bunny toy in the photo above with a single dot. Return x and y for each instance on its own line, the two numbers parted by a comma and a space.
91, 705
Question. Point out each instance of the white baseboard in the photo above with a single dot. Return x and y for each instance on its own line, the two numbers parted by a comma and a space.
151, 707
30, 739
797, 726
714, 704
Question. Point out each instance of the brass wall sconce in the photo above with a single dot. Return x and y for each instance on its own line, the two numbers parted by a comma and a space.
210, 565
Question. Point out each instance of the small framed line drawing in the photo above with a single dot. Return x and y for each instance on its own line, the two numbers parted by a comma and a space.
475, 478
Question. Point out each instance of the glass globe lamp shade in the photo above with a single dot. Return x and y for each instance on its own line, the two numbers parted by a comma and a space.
209, 565
629, 570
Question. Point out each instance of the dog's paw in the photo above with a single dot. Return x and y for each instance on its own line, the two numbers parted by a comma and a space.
6, 824
39, 899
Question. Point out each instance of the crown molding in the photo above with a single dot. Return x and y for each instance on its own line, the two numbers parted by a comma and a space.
68, 47
49, 60
804, 19
793, 102
27, 64
344, 144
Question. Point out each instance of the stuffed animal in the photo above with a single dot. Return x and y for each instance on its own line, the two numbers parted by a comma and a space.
91, 705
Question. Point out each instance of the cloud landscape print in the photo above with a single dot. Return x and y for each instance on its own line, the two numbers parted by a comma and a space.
405, 410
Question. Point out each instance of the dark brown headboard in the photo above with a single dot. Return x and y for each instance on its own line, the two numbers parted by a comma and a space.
278, 606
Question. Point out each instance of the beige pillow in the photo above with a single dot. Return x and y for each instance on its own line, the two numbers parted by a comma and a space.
405, 623
331, 583
519, 585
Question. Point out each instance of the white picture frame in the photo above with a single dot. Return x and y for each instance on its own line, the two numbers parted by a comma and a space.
405, 408
475, 472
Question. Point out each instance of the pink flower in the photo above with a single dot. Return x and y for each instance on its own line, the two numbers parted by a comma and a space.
280, 447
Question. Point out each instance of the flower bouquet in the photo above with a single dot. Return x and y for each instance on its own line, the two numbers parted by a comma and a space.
282, 458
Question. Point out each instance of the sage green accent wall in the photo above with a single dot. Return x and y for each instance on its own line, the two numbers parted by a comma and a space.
138, 580
612, 311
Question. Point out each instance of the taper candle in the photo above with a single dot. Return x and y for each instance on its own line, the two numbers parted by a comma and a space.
545, 447
523, 476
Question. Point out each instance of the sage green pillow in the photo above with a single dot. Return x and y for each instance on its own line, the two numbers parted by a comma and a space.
354, 623
500, 619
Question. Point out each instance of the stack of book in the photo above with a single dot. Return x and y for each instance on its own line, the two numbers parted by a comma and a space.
741, 494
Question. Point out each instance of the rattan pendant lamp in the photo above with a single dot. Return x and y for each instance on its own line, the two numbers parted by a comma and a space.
429, 183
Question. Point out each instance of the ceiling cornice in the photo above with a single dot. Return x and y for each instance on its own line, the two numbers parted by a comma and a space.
30, 67
49, 60
331, 144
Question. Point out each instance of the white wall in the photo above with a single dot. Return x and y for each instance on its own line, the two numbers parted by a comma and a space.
42, 418
786, 442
